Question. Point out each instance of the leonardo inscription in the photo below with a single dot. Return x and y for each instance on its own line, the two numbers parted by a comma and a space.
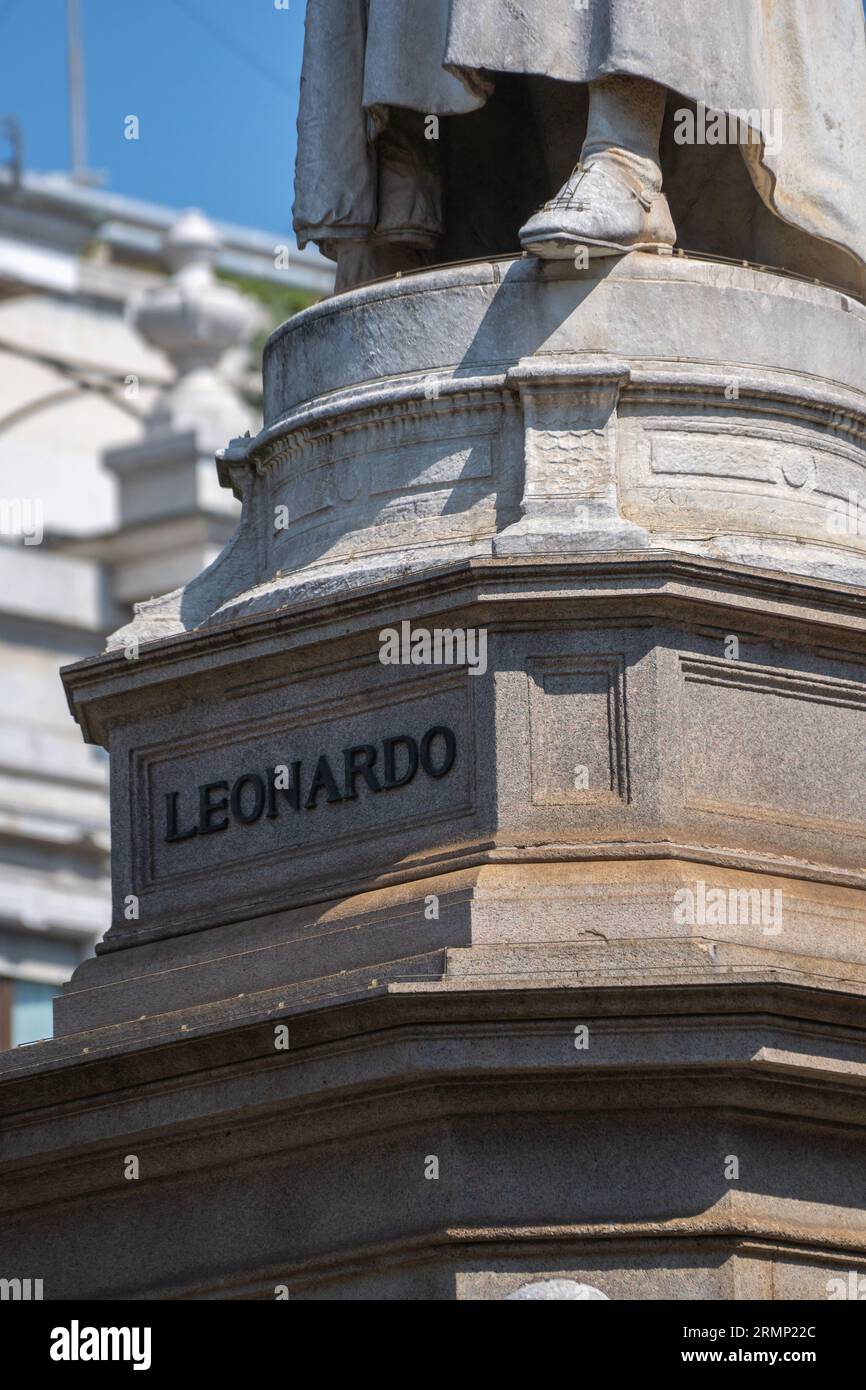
293, 787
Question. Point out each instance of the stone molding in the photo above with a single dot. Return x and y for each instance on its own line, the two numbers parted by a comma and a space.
527, 411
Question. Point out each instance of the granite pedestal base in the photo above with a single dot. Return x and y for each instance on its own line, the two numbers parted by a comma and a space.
433, 979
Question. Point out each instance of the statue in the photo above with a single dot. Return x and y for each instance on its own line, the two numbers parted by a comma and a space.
437, 130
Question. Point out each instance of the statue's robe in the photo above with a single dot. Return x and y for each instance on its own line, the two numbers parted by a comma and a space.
509, 78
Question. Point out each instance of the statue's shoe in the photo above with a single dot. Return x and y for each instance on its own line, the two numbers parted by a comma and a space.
603, 209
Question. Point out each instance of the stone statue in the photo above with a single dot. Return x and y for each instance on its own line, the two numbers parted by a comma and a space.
431, 130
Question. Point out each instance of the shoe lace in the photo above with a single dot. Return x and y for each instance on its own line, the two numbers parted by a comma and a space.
565, 198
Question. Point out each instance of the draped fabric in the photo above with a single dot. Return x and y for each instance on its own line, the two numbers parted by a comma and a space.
797, 66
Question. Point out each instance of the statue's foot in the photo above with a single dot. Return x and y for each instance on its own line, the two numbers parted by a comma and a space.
603, 208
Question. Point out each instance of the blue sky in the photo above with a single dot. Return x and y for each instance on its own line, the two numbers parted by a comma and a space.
213, 82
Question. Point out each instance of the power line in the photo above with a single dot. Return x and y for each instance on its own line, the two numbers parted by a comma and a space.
229, 41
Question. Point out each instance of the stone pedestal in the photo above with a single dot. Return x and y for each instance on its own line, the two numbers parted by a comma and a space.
435, 980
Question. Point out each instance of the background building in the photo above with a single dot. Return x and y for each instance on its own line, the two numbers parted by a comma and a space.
130, 341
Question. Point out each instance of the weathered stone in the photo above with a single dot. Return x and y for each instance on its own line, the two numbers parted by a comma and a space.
583, 997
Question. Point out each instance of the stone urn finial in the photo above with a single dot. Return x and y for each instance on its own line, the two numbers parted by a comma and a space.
191, 241
195, 320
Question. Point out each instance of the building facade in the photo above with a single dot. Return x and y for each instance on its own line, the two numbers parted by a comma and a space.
107, 496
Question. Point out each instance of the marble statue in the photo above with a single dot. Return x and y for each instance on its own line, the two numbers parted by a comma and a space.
432, 130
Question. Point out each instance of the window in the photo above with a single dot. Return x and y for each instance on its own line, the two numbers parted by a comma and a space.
33, 968
25, 1011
